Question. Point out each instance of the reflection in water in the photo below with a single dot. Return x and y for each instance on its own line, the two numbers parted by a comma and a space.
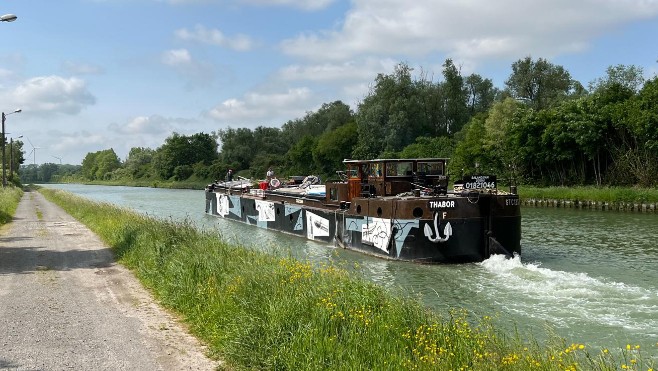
589, 275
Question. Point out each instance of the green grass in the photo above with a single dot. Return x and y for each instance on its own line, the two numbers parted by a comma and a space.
9, 198
599, 194
260, 311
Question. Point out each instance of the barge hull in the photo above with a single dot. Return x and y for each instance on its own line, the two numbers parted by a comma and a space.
469, 233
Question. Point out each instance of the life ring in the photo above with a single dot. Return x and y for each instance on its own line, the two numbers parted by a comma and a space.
275, 183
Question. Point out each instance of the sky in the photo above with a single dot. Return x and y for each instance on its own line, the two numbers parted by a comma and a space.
91, 75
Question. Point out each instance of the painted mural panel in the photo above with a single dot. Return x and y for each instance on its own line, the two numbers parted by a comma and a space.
222, 204
297, 213
316, 226
266, 212
236, 208
402, 229
377, 231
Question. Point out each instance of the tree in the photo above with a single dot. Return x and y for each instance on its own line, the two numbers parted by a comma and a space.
391, 116
268, 141
469, 153
138, 162
89, 166
424, 147
456, 97
46, 172
540, 84
237, 147
481, 94
636, 150
179, 150
106, 162
15, 156
629, 77
501, 154
299, 159
182, 172
96, 165
333, 147
335, 115
329, 117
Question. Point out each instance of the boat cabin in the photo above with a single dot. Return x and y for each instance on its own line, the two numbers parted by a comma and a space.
388, 177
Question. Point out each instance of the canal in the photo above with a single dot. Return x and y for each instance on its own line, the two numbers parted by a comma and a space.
588, 276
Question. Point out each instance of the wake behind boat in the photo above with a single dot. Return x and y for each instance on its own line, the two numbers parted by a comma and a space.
392, 208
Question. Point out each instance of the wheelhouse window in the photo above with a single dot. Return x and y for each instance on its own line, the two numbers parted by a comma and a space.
431, 168
398, 169
353, 171
376, 170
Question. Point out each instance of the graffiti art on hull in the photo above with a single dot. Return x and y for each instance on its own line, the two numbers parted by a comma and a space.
236, 208
377, 231
222, 204
265, 211
402, 229
291, 210
353, 224
316, 226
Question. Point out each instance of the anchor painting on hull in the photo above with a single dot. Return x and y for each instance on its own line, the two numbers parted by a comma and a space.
430, 232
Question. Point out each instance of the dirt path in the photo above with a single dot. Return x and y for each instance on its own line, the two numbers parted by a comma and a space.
66, 305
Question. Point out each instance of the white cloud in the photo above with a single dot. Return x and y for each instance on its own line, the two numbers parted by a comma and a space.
196, 73
63, 143
262, 109
338, 72
51, 94
6, 74
150, 125
214, 37
176, 57
506, 29
300, 4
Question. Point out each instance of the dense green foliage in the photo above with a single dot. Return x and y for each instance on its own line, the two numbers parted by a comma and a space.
264, 311
542, 129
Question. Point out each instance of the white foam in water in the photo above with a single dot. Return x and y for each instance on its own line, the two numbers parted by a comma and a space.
569, 299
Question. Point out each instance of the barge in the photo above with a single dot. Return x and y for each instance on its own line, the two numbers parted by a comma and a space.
398, 209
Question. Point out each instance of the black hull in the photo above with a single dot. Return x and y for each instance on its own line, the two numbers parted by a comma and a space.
468, 229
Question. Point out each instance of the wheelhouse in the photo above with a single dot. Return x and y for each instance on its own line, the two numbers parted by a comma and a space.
388, 177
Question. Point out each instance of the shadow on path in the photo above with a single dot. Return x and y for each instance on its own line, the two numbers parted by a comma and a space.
30, 259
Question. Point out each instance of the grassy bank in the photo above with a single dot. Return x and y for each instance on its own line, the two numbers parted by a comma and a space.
9, 198
597, 194
263, 311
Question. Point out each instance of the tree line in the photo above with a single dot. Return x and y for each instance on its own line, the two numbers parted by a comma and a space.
543, 128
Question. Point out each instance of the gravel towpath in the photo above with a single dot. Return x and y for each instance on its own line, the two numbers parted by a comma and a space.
66, 305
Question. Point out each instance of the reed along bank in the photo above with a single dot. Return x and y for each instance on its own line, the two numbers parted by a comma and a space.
266, 311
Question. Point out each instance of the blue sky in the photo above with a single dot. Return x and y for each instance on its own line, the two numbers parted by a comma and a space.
96, 74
